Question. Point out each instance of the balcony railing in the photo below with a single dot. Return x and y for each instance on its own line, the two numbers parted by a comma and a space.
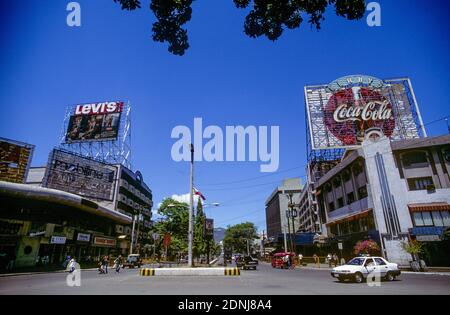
351, 209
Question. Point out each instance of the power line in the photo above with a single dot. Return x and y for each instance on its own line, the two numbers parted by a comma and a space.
297, 167
253, 178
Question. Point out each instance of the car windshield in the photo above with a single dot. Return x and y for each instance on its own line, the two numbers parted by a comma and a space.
356, 262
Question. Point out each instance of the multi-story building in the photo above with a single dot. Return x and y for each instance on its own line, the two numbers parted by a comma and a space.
74, 206
132, 197
391, 192
135, 199
308, 218
277, 206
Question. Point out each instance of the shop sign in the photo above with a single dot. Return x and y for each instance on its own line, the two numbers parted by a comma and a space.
83, 237
428, 238
60, 240
103, 241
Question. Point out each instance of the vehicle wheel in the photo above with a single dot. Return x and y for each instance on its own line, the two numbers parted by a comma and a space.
389, 277
341, 279
358, 277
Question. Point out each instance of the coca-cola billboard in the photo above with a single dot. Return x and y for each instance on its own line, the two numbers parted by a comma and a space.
341, 113
350, 112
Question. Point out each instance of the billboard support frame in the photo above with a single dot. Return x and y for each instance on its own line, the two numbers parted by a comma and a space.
111, 151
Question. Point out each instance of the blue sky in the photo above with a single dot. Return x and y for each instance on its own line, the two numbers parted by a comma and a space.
225, 77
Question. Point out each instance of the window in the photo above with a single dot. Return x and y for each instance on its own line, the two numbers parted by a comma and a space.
414, 158
354, 226
419, 183
350, 198
357, 169
337, 182
369, 263
356, 262
437, 219
427, 220
445, 218
331, 206
380, 262
340, 202
446, 154
418, 221
362, 192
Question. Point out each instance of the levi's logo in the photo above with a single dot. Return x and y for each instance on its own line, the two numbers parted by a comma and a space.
99, 108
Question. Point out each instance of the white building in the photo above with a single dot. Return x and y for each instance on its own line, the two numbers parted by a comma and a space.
390, 191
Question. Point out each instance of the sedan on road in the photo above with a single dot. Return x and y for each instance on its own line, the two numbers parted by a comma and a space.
359, 268
247, 262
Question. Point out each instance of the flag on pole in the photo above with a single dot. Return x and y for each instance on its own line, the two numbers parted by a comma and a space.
198, 193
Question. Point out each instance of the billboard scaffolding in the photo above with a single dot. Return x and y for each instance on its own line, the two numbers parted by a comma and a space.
340, 114
100, 131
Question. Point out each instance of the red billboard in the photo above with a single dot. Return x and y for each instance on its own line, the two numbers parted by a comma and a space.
341, 113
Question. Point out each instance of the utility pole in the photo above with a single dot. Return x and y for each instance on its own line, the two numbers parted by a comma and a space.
137, 233
285, 239
132, 235
289, 229
191, 210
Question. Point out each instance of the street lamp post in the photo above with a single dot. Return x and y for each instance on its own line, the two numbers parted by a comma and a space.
191, 210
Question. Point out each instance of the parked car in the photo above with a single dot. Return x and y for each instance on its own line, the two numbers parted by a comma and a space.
133, 261
246, 262
359, 268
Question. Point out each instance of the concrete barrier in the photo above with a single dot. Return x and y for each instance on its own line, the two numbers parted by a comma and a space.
154, 272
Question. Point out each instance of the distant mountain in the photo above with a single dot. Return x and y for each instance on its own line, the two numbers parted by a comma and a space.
219, 234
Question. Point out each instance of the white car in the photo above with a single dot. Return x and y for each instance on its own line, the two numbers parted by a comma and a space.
359, 268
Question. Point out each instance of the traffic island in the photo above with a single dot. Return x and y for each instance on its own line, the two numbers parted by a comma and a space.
207, 272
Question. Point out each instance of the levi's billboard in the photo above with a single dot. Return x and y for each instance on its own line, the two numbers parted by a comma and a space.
94, 122
341, 113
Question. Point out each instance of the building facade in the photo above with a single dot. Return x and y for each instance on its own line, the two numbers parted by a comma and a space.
277, 206
75, 206
391, 192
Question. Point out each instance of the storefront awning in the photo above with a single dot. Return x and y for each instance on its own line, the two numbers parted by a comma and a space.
432, 206
22, 192
433, 230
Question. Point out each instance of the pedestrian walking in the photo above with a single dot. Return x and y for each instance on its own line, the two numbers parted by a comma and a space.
300, 259
335, 259
316, 260
286, 261
106, 263
118, 264
101, 268
72, 265
330, 260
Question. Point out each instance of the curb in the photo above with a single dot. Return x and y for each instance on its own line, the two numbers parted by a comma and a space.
223, 272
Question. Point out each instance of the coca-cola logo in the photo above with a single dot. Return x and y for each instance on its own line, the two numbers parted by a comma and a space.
350, 112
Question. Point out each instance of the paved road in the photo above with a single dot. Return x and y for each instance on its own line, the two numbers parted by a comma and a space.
265, 281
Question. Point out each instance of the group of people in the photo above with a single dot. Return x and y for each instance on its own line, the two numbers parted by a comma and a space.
104, 263
332, 259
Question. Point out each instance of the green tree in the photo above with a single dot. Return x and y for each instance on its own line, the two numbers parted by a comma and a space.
175, 221
265, 18
200, 240
237, 236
